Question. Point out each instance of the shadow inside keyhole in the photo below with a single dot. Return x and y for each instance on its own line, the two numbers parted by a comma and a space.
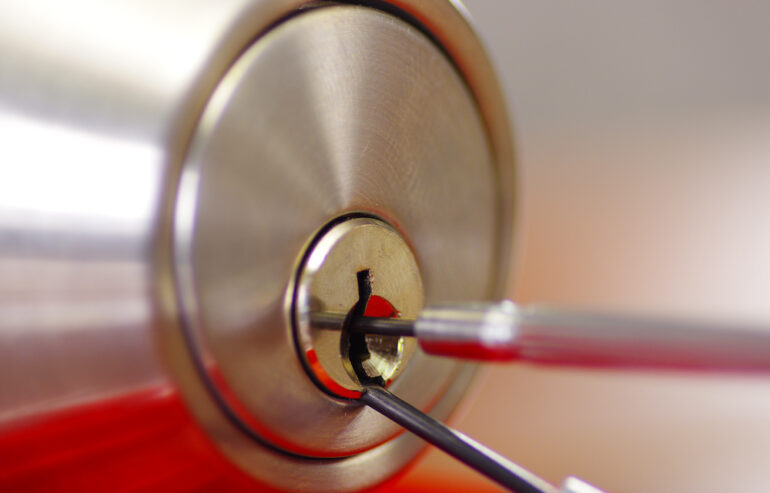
356, 347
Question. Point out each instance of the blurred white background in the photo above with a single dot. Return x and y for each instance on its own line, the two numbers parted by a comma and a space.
643, 137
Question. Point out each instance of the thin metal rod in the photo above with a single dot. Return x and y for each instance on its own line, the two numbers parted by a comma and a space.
364, 325
454, 443
504, 331
383, 326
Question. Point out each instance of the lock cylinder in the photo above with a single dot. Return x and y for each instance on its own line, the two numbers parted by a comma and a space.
367, 187
356, 264
212, 201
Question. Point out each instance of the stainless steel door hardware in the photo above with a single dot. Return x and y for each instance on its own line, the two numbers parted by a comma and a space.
165, 168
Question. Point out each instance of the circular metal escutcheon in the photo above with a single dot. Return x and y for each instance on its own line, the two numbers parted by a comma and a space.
335, 111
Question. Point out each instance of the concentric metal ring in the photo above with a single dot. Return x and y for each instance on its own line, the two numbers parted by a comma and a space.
336, 110
350, 251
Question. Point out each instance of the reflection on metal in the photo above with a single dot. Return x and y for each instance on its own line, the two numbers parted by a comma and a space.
538, 334
559, 336
280, 151
328, 284
157, 188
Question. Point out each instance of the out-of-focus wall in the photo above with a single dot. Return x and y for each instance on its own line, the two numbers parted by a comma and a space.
643, 134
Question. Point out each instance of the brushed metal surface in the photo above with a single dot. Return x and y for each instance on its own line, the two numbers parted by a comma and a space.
90, 131
302, 129
94, 137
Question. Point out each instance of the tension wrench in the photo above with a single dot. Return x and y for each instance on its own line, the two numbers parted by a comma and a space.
463, 448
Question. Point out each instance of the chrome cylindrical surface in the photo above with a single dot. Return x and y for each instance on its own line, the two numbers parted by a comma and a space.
505, 331
160, 175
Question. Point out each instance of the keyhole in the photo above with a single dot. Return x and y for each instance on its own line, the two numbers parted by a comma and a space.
369, 355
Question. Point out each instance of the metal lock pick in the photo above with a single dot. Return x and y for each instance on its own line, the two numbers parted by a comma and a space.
504, 331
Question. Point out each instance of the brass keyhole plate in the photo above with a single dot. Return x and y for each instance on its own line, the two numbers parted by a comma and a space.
329, 287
